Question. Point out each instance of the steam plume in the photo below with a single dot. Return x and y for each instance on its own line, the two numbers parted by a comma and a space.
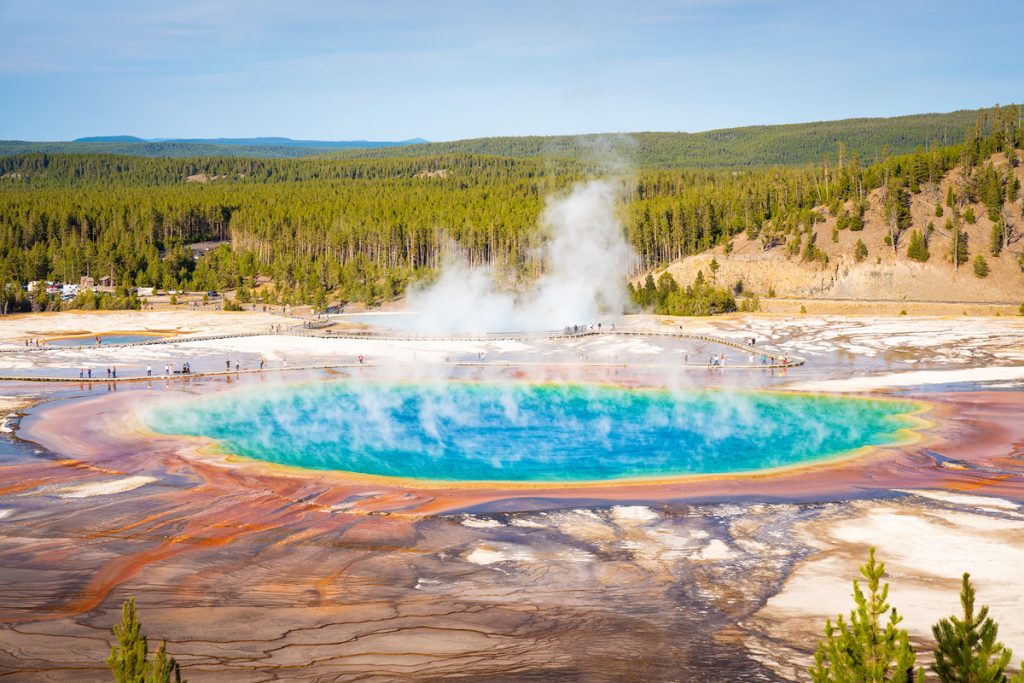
586, 264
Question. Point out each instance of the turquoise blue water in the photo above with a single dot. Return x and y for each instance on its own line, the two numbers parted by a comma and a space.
104, 338
524, 432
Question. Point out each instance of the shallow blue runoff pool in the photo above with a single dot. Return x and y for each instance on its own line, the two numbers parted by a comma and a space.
514, 432
104, 339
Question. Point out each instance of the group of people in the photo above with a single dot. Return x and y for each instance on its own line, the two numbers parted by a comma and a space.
579, 329
169, 369
238, 365
718, 360
186, 368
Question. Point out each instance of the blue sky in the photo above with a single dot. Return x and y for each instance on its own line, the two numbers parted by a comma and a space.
448, 70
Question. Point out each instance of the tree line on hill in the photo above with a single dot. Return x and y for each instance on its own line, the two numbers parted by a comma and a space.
730, 147
745, 147
733, 148
361, 230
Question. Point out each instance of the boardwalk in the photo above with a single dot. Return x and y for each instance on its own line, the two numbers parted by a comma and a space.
774, 359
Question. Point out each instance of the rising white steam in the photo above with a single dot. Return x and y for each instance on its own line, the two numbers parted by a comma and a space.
586, 264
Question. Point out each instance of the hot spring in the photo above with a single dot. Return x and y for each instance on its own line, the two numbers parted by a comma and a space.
512, 432
91, 339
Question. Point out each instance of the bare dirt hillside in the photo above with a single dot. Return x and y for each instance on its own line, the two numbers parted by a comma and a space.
883, 274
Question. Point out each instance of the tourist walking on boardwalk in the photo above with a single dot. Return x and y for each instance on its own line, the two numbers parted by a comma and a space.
227, 364
149, 371
114, 369
262, 362
108, 373
81, 373
89, 372
236, 366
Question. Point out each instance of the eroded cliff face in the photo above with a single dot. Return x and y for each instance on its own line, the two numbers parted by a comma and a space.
884, 273
844, 278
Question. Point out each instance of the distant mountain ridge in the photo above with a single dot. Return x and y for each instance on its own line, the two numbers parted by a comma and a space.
259, 142
252, 148
111, 138
729, 148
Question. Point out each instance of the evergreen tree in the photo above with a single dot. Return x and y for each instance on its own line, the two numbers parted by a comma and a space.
863, 650
966, 648
650, 292
990, 188
958, 242
856, 223
897, 211
127, 658
917, 249
666, 285
980, 266
700, 298
860, 251
996, 243
163, 669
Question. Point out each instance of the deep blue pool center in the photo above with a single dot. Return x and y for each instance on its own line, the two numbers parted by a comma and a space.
456, 431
